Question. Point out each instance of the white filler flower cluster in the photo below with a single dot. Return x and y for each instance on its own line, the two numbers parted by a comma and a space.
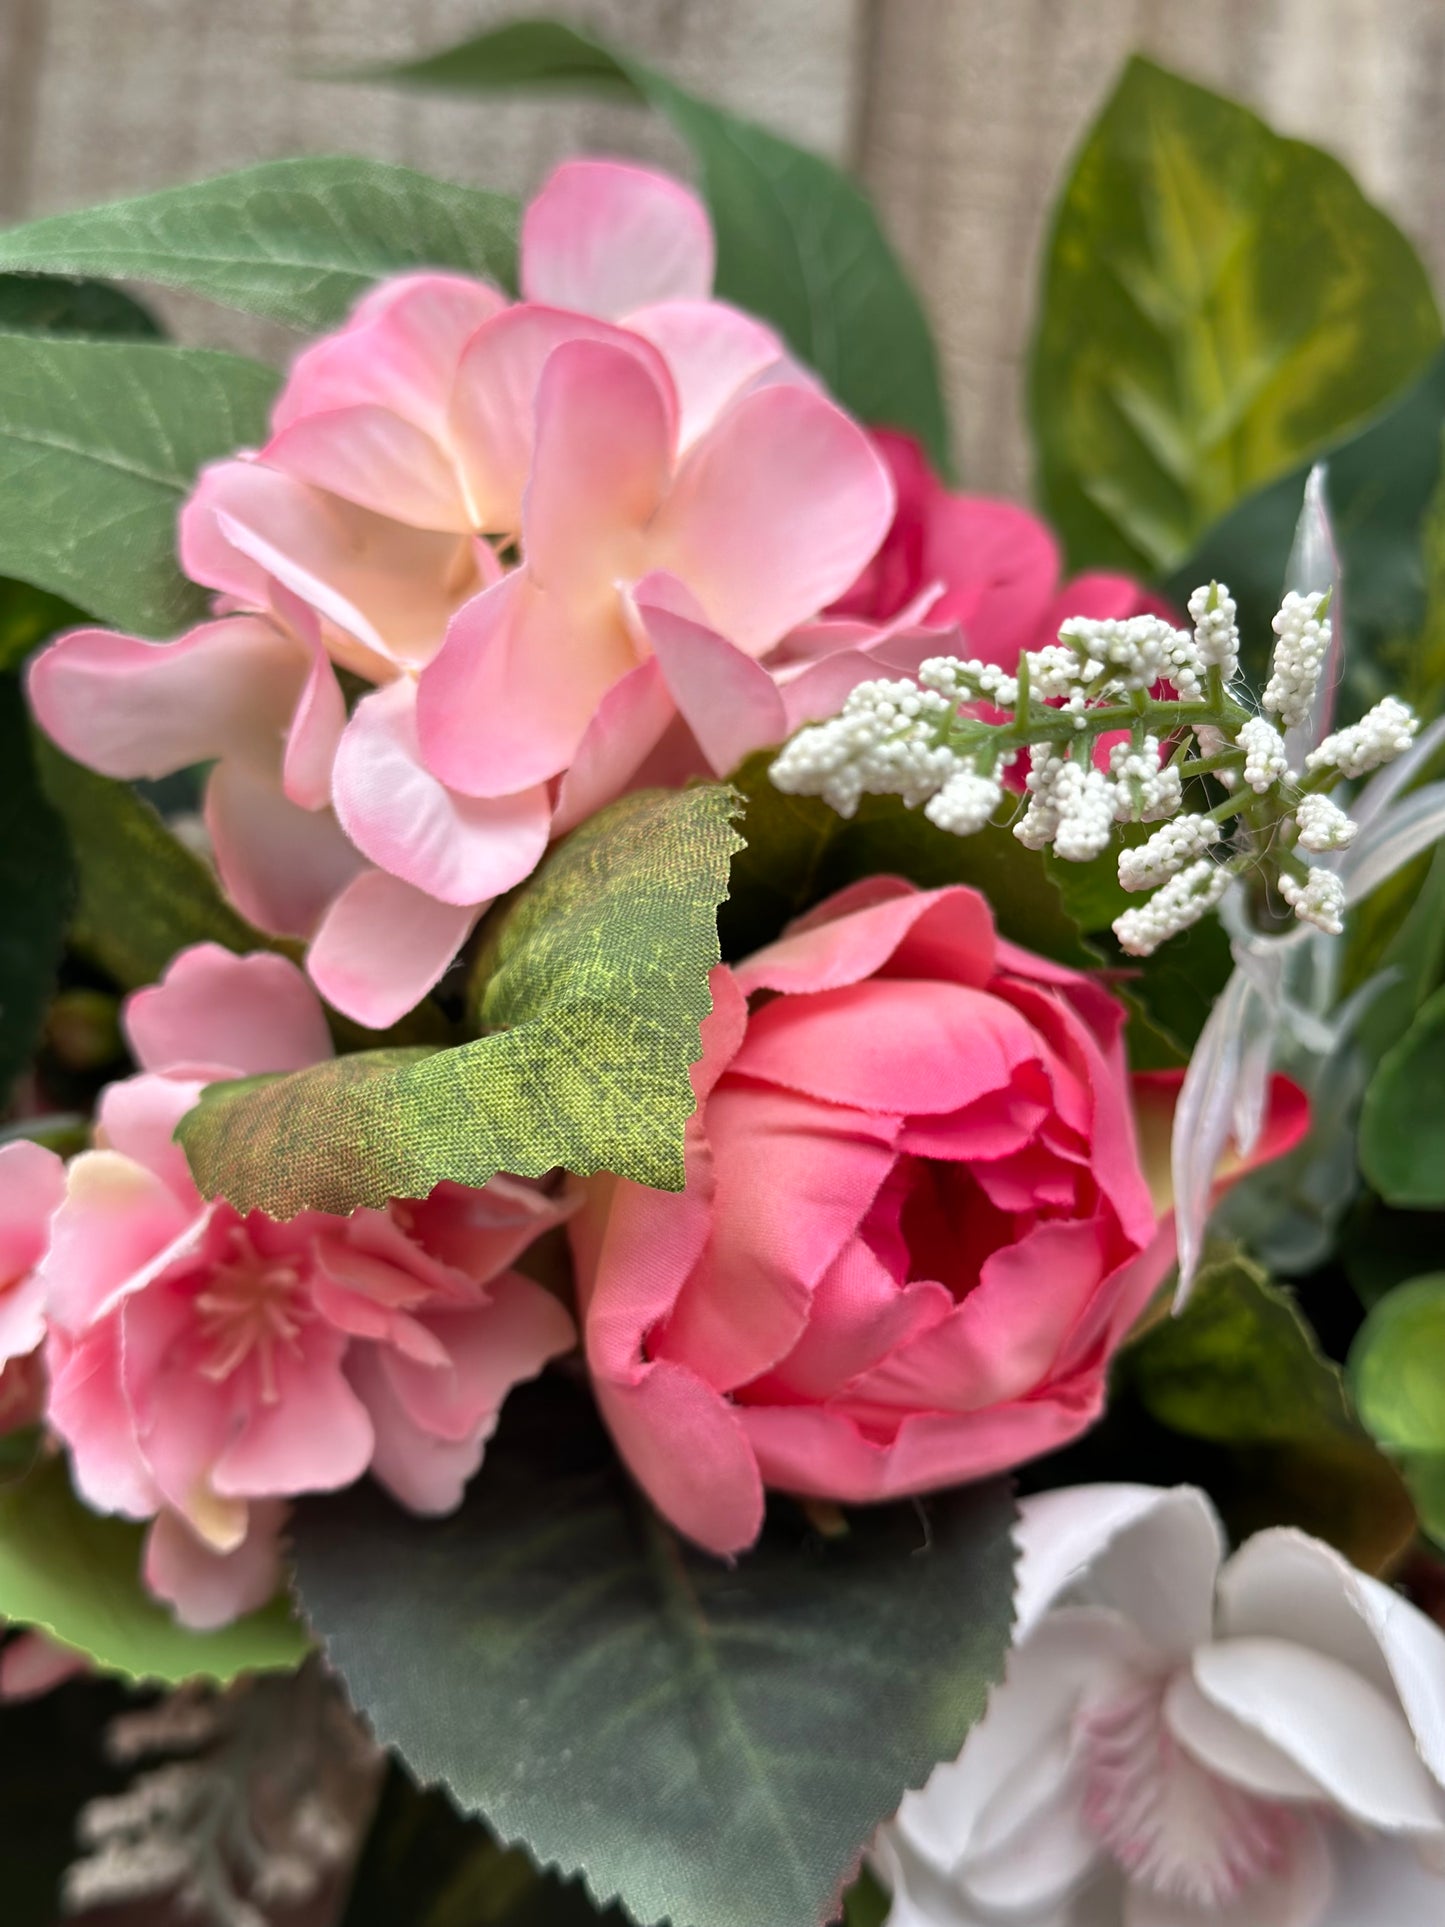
1182, 722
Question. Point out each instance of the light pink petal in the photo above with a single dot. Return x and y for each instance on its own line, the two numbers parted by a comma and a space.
372, 457
315, 1436
33, 1664
494, 406
137, 1117
481, 1232
32, 1185
729, 702
316, 726
386, 590
281, 865
509, 698
683, 1443
882, 925
254, 1014
999, 566
382, 945
422, 1471
87, 1408
772, 514
131, 708
399, 350
713, 352
22, 1316
460, 849
626, 727
600, 467
604, 237
210, 1588
116, 1220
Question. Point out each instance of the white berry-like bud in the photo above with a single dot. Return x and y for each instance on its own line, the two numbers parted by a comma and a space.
1167, 852
1323, 825
1381, 734
1319, 900
1216, 634
965, 803
1182, 901
1264, 759
1299, 656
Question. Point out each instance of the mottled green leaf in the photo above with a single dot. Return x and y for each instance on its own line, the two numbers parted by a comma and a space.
594, 984
77, 1577
800, 851
1218, 304
1397, 1370
100, 442
1402, 1124
709, 1742
54, 304
35, 890
797, 242
1242, 1369
297, 241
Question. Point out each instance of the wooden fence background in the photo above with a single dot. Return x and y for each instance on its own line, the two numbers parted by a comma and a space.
957, 114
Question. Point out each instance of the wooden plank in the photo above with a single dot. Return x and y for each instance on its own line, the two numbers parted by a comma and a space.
971, 109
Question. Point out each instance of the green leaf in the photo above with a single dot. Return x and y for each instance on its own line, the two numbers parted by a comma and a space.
35, 890
52, 304
1402, 1124
100, 443
710, 1742
594, 986
797, 242
76, 1576
800, 851
1381, 485
1242, 1369
29, 617
297, 241
1218, 304
1397, 1370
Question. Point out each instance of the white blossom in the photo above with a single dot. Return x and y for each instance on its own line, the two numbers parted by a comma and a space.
1144, 789
1299, 656
1182, 901
883, 743
1071, 805
1319, 900
1380, 735
1182, 1736
1264, 758
1322, 825
965, 803
1216, 633
1167, 851
968, 681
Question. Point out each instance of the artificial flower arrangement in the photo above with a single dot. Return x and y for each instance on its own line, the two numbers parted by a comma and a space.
697, 1126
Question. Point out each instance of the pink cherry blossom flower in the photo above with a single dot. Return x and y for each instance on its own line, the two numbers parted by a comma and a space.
1185, 1740
206, 1367
32, 1184
917, 1222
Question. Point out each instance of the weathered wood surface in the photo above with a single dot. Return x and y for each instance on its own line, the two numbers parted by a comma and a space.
959, 114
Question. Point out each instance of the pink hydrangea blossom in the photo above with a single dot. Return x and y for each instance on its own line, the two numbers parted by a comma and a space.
206, 1367
917, 1222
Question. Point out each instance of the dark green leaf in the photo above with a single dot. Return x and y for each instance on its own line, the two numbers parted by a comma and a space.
297, 241
53, 304
35, 890
1412, 956
1242, 1369
1402, 1125
29, 617
1397, 1369
100, 443
596, 976
76, 1576
797, 242
1218, 304
1380, 487
714, 1743
800, 851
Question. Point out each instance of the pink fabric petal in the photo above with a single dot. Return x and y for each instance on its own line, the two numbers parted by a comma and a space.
399, 350
626, 727
116, 1220
382, 945
459, 849
859, 1315
999, 566
481, 1232
281, 865
87, 1408
22, 1317
254, 1014
32, 1186
600, 467
688, 1450
137, 1117
370, 456
604, 237
33, 1664
521, 674
881, 924
131, 708
713, 353
729, 702
422, 1471
773, 513
316, 726
315, 1437
494, 405
210, 1588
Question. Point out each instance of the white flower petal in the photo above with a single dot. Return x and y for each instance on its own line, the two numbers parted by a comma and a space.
1381, 1882
1229, 1749
1297, 1897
